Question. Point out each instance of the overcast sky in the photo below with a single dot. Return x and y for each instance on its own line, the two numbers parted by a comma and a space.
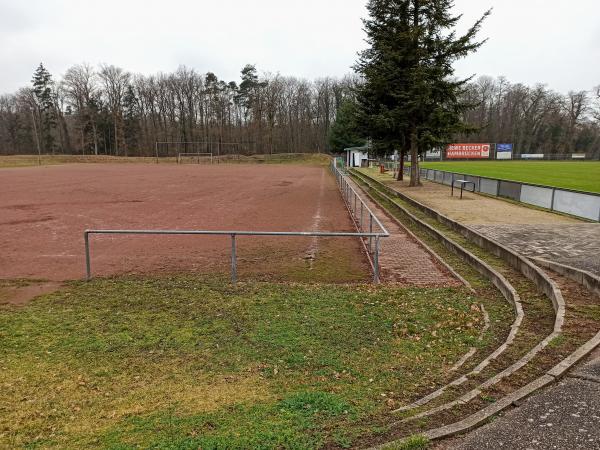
555, 42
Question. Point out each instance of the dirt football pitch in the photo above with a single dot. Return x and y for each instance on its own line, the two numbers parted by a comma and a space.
45, 210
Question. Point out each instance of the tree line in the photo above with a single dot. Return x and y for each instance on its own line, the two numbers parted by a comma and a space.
110, 111
534, 118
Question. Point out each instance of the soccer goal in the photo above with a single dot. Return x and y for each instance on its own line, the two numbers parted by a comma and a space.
198, 152
195, 157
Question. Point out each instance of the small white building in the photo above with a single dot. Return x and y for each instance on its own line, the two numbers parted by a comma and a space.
357, 157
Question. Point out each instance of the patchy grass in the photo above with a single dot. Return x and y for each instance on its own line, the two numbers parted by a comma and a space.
578, 175
45, 160
187, 363
415, 442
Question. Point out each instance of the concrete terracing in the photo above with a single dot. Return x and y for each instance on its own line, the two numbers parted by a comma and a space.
564, 416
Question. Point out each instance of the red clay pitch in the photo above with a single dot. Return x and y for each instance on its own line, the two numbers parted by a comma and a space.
45, 210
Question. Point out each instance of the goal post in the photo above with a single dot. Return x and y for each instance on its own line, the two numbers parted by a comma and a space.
195, 156
177, 150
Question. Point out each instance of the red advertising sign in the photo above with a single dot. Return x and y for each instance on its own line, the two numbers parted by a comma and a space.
468, 151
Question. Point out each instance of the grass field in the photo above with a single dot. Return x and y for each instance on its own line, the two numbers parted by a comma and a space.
577, 175
186, 363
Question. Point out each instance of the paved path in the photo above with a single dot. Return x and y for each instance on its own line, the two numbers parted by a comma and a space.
529, 231
564, 416
403, 260
478, 209
576, 245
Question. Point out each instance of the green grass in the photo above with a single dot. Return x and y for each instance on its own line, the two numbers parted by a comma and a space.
185, 363
411, 443
577, 175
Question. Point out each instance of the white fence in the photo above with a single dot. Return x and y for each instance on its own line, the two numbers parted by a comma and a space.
581, 204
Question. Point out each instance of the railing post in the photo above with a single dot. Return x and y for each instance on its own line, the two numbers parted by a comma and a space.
88, 266
370, 231
376, 262
361, 217
233, 260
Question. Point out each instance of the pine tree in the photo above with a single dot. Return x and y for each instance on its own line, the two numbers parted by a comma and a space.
42, 89
249, 96
410, 98
343, 133
131, 118
248, 87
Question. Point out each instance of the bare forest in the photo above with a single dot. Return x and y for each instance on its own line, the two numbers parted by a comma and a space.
113, 112
535, 119
109, 111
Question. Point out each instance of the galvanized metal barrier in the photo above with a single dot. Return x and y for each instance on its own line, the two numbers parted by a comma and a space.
365, 220
375, 233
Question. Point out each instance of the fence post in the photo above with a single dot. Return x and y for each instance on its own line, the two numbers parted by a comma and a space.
88, 266
370, 231
233, 260
376, 262
361, 216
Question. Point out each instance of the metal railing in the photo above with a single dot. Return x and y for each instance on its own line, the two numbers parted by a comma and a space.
373, 237
364, 219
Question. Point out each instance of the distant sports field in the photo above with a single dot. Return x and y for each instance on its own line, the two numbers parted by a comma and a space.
578, 175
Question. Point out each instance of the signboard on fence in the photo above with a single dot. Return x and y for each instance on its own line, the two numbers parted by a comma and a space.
504, 151
468, 151
532, 156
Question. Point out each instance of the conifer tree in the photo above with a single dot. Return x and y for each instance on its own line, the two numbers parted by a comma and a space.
131, 119
410, 98
343, 133
42, 89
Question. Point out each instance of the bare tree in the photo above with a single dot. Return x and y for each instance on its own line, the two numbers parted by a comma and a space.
576, 105
115, 81
80, 85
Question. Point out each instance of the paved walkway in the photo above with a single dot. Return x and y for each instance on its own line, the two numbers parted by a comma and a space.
478, 209
576, 245
403, 260
529, 231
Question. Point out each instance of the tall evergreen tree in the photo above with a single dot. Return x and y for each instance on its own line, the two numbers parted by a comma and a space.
343, 133
131, 119
250, 97
410, 98
42, 89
